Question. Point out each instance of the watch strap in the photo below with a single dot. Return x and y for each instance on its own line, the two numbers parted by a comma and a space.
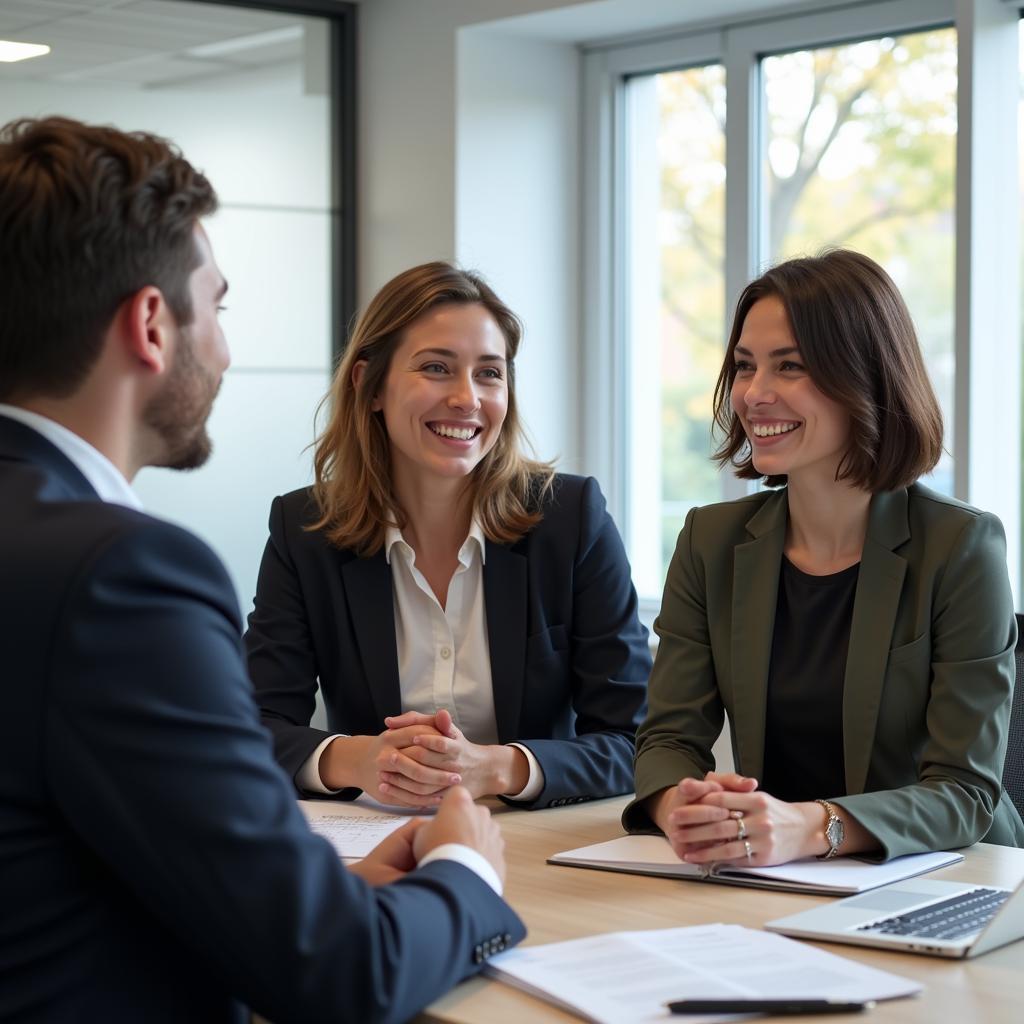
833, 825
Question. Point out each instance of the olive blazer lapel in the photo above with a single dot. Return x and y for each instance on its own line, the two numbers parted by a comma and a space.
506, 600
367, 583
879, 584
756, 565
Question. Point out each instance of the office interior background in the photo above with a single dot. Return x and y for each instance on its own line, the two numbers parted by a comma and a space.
617, 169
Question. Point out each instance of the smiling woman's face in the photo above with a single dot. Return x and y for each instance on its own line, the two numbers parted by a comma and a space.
445, 395
792, 427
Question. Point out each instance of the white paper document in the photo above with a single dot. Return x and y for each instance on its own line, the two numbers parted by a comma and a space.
628, 977
353, 830
841, 876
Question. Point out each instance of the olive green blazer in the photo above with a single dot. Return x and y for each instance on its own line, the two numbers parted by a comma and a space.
929, 675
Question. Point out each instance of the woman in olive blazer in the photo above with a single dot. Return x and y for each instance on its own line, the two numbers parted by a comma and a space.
829, 390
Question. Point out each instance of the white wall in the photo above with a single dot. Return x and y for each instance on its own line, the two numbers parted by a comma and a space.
407, 127
469, 150
264, 145
516, 211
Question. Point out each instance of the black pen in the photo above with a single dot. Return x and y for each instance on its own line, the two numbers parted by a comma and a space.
778, 1006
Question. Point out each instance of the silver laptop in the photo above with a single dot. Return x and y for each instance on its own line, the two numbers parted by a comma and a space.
918, 916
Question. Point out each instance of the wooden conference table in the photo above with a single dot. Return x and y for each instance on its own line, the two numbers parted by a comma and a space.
566, 903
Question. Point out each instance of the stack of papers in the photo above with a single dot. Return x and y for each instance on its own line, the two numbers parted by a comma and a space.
841, 876
353, 830
628, 977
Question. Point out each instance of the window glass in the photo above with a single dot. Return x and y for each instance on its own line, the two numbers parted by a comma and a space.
675, 301
860, 151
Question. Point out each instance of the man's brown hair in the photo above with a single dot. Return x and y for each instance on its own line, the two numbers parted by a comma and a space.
88, 216
858, 342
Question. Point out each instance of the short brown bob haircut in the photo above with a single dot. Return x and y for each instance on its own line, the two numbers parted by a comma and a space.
88, 216
352, 457
858, 342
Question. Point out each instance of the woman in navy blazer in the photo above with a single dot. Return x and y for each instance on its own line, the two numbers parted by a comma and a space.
433, 576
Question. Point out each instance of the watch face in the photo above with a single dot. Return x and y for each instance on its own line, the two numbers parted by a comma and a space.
835, 833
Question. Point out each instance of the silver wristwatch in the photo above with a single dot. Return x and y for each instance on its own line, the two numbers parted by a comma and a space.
835, 833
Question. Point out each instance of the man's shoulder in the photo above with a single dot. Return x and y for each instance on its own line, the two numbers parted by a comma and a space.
99, 525
61, 544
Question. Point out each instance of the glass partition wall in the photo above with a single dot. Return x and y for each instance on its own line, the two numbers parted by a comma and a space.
251, 97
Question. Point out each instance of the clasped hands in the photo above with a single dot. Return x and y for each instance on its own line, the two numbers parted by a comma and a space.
724, 819
418, 757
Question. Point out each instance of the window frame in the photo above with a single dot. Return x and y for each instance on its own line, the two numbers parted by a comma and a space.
341, 18
987, 391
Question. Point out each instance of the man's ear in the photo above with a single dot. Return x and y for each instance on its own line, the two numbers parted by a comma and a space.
149, 328
357, 377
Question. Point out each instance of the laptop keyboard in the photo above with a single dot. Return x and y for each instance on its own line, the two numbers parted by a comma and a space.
954, 918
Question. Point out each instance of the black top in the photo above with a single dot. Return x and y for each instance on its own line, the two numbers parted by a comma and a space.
803, 754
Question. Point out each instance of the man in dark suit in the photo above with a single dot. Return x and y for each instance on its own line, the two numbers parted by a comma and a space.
153, 862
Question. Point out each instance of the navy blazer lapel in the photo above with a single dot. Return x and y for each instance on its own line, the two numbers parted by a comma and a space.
367, 583
879, 585
755, 592
65, 482
505, 598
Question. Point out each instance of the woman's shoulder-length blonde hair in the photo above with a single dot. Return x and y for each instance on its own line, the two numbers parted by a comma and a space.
352, 461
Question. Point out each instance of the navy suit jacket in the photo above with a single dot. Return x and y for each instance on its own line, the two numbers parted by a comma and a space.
569, 657
154, 864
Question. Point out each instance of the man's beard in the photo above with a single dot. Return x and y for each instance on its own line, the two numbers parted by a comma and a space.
179, 412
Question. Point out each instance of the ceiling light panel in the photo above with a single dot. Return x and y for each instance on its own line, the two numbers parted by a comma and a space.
100, 40
11, 52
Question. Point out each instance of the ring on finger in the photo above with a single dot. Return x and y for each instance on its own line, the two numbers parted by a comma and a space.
735, 815
741, 829
749, 849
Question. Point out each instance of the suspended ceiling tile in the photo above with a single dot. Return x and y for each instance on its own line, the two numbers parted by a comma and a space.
148, 71
98, 40
233, 19
275, 53
122, 29
18, 15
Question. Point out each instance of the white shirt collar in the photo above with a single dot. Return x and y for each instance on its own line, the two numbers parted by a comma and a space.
106, 479
475, 536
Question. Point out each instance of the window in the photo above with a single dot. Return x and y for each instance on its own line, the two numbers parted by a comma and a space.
878, 126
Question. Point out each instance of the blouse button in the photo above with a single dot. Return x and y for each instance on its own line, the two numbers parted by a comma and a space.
446, 653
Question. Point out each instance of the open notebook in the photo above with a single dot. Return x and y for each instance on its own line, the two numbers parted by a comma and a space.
842, 876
